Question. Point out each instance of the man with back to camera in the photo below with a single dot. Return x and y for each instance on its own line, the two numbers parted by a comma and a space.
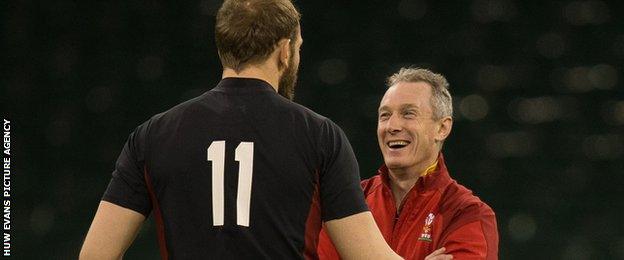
240, 172
422, 212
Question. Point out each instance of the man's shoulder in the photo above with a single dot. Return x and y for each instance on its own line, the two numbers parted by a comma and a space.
459, 201
210, 103
304, 111
460, 207
173, 113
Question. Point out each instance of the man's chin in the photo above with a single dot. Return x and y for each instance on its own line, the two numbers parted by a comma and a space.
393, 164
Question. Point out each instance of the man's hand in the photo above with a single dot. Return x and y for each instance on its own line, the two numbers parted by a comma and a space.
439, 255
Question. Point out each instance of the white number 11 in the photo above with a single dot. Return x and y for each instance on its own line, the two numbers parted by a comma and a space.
243, 155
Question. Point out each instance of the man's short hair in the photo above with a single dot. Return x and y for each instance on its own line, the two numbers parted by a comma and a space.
247, 31
441, 100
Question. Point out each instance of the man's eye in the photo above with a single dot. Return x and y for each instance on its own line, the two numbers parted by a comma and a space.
409, 114
384, 116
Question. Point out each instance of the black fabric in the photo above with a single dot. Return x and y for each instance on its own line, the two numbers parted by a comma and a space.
292, 145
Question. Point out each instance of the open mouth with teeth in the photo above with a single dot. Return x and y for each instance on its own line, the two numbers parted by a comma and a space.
397, 144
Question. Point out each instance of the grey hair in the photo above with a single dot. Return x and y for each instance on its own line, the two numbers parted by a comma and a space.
441, 100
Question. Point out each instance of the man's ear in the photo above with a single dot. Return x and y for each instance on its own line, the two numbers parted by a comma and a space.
283, 47
444, 128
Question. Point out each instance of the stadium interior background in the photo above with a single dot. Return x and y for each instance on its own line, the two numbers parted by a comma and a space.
537, 85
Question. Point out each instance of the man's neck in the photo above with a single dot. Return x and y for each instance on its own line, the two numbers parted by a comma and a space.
403, 180
256, 72
401, 184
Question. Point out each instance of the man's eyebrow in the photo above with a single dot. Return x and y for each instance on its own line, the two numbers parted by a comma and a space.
401, 107
409, 106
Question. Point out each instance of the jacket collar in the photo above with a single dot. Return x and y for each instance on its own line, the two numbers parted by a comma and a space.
433, 181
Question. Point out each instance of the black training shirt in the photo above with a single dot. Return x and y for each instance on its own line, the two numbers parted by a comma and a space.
238, 173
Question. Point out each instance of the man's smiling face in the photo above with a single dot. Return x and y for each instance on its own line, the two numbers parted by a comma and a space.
406, 128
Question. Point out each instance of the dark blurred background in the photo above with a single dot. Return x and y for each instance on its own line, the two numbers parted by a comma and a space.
537, 85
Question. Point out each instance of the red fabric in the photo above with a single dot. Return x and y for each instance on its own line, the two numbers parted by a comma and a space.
160, 227
460, 221
313, 225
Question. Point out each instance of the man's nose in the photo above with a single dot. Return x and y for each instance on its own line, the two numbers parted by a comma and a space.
394, 124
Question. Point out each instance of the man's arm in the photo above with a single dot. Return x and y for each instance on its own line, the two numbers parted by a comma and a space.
474, 240
358, 237
112, 231
439, 255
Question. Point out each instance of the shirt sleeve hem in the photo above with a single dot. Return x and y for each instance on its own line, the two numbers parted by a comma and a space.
143, 211
344, 214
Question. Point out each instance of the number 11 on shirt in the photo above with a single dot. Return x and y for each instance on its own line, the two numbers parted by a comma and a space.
244, 156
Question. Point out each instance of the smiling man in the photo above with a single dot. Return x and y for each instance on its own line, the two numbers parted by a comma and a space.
421, 211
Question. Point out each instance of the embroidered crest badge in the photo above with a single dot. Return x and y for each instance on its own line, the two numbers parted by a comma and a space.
426, 233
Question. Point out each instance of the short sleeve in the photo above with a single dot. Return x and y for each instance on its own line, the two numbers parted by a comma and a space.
127, 187
341, 193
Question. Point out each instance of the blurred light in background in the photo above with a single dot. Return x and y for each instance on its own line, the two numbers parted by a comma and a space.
603, 147
576, 79
492, 78
510, 144
535, 110
586, 12
583, 79
486, 11
473, 107
603, 76
522, 227
577, 248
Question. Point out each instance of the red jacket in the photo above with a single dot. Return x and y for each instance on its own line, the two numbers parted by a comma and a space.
437, 212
